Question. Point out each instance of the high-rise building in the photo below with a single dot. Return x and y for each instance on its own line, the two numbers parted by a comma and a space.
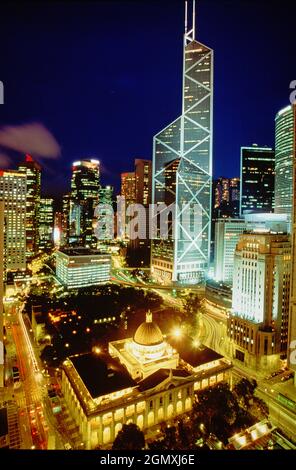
226, 195
184, 147
128, 197
65, 229
2, 209
13, 192
33, 172
258, 324
284, 142
138, 252
45, 224
105, 214
227, 233
85, 184
257, 179
292, 316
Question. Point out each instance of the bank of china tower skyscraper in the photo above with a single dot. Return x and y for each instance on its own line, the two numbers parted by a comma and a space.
182, 174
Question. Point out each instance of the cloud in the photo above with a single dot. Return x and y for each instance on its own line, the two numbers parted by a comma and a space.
5, 160
31, 138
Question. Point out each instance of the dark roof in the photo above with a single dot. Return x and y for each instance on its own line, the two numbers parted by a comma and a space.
101, 374
3, 422
195, 356
159, 376
80, 251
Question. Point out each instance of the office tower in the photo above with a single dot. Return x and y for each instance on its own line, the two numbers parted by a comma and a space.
128, 197
257, 179
105, 214
227, 233
45, 224
292, 315
284, 141
85, 184
33, 173
13, 193
82, 267
138, 253
258, 324
65, 233
226, 197
185, 148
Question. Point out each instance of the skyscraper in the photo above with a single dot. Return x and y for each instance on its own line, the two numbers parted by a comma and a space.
257, 179
45, 224
128, 197
138, 252
182, 173
105, 214
33, 173
226, 195
284, 142
85, 184
292, 313
13, 193
258, 325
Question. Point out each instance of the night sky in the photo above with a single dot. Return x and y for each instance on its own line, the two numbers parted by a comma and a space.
104, 77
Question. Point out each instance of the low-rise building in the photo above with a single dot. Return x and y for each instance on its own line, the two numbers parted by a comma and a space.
82, 267
146, 380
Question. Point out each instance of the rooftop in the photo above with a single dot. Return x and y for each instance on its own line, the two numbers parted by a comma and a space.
101, 374
80, 251
159, 376
195, 356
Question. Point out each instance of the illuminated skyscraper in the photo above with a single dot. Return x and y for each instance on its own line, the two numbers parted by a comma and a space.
45, 224
257, 180
128, 197
284, 141
258, 324
292, 315
184, 149
226, 195
33, 172
85, 184
13, 193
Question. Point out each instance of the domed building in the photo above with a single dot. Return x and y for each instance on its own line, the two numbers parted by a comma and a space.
147, 379
146, 352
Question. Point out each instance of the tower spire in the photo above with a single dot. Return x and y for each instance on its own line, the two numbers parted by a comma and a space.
190, 34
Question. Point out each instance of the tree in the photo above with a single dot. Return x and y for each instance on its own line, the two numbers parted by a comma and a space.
129, 438
244, 391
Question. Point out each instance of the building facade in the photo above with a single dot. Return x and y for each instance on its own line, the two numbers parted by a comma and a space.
45, 224
13, 189
85, 185
257, 179
226, 197
33, 173
227, 233
82, 267
258, 324
144, 380
183, 151
284, 150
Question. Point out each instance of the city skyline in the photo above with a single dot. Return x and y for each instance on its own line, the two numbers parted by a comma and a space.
147, 301
89, 104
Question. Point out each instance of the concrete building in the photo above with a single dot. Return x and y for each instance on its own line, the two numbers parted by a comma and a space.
258, 324
146, 380
13, 188
82, 267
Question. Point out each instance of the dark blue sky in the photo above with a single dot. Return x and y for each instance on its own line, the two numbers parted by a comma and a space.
104, 77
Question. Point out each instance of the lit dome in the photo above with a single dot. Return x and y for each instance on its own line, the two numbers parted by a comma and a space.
148, 333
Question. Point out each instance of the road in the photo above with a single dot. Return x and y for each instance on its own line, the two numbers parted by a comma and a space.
35, 417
